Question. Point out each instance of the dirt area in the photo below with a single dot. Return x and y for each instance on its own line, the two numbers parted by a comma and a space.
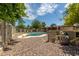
38, 47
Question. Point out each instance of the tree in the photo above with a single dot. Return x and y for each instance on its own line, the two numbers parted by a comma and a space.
52, 25
28, 26
21, 25
72, 18
36, 24
43, 24
72, 14
10, 13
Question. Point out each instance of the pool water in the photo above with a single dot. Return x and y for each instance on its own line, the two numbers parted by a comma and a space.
36, 33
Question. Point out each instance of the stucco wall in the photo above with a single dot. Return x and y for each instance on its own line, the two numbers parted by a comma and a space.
67, 28
52, 35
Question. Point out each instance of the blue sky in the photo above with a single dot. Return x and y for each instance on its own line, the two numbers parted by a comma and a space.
45, 12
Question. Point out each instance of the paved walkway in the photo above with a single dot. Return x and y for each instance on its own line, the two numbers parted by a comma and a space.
36, 47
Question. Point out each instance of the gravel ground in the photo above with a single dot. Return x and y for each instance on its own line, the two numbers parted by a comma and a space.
38, 47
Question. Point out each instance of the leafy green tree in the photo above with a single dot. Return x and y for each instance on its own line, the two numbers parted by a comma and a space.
36, 24
72, 17
72, 14
43, 24
10, 13
52, 25
28, 26
21, 25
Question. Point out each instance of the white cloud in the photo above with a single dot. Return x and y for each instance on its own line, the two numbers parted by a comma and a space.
30, 13
46, 8
42, 10
66, 6
31, 16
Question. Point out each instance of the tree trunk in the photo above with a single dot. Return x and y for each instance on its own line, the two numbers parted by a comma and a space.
4, 41
8, 33
10, 37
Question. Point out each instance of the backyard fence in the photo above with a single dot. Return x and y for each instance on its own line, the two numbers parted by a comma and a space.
72, 31
30, 30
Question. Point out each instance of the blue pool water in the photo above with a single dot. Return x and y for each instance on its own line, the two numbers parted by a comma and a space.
36, 33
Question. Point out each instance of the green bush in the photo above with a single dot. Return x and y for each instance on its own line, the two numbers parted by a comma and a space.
75, 41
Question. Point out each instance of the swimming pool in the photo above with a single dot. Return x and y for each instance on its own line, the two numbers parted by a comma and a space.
36, 33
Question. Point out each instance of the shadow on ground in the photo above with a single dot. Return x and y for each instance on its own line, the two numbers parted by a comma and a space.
13, 42
70, 50
6, 49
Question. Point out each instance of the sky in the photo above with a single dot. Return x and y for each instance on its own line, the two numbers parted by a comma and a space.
50, 13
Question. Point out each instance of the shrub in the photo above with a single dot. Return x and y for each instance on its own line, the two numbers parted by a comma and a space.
75, 41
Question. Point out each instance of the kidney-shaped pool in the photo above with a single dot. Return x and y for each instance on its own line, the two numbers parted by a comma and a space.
36, 33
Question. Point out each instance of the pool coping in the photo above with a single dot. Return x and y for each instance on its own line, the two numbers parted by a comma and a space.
25, 36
